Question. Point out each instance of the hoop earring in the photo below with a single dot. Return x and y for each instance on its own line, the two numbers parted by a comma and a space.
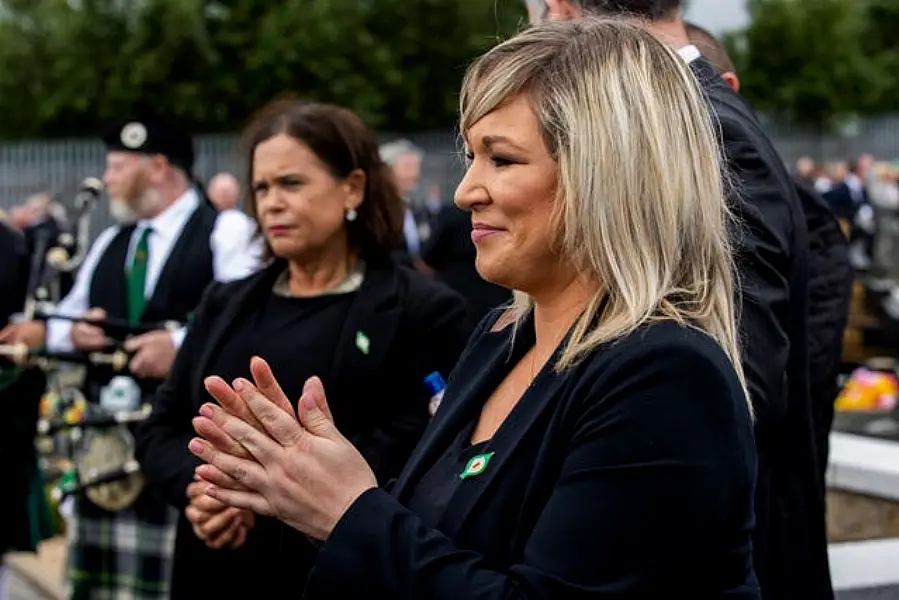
351, 215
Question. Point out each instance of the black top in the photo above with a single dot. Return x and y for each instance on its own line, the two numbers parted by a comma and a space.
436, 489
629, 477
297, 336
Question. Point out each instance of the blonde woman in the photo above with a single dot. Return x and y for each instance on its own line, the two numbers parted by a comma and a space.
595, 440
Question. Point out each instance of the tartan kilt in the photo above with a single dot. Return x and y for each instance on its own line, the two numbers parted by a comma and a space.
123, 555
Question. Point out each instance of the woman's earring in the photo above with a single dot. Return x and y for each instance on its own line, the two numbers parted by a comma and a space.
351, 215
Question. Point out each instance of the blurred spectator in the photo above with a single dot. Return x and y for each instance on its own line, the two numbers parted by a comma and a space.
882, 189
805, 170
224, 194
404, 158
883, 193
821, 179
849, 200
19, 217
224, 191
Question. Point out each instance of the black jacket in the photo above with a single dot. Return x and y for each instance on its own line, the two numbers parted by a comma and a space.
629, 478
20, 394
378, 400
14, 269
830, 296
772, 258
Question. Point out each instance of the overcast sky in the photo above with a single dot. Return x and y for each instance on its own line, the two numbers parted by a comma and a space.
718, 15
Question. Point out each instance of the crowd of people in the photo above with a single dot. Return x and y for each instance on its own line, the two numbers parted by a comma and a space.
637, 308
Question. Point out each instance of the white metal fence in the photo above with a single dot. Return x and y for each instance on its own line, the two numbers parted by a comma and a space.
59, 166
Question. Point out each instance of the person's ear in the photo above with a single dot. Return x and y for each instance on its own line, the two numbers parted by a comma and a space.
563, 10
732, 80
354, 188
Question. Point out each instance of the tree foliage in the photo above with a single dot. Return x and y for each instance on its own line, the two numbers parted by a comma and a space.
69, 66
818, 62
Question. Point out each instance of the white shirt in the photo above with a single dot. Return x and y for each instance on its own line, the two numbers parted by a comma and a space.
689, 53
856, 188
235, 255
410, 231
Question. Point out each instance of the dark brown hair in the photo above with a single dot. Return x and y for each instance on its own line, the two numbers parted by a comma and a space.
647, 9
343, 143
712, 49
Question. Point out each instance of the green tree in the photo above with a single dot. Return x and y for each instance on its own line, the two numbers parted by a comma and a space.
879, 45
70, 66
805, 60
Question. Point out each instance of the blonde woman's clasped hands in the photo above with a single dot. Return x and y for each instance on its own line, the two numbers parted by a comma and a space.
262, 456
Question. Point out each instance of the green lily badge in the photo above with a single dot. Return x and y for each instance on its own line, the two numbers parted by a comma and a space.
476, 466
363, 343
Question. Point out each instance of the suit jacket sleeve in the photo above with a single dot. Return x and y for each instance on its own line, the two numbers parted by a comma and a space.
13, 273
440, 335
655, 451
161, 441
765, 210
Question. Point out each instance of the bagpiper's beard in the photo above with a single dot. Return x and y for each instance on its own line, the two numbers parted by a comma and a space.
122, 212
143, 205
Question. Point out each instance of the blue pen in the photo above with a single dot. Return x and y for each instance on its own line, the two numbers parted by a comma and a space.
436, 385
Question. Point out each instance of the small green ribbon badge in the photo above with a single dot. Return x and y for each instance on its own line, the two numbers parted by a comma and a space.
362, 342
476, 465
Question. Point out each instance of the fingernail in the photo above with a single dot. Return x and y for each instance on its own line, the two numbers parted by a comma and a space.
195, 446
240, 385
309, 402
211, 491
207, 411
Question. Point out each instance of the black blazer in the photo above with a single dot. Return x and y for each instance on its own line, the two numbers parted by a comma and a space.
20, 394
13, 272
772, 248
630, 477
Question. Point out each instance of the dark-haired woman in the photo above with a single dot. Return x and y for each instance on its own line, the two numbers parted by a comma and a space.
331, 302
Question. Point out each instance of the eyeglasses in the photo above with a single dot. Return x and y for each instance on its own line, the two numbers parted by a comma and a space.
538, 8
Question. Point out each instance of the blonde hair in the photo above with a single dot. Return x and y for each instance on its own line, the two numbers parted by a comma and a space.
641, 193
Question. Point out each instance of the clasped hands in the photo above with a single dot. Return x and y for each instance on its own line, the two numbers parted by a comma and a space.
217, 524
262, 456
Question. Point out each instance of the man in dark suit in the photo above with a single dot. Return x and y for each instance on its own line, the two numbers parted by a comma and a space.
20, 393
13, 272
830, 272
790, 545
